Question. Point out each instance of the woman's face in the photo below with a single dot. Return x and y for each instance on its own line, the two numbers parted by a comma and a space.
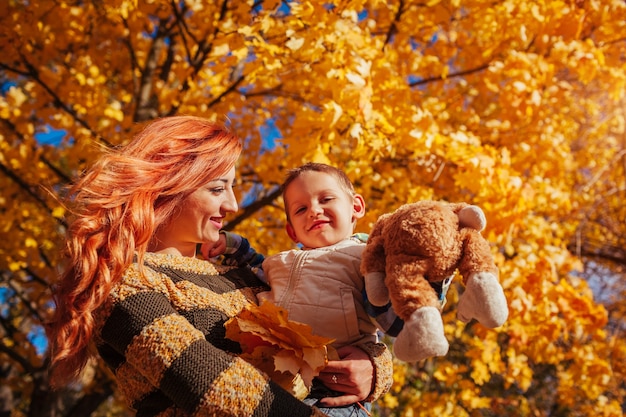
200, 217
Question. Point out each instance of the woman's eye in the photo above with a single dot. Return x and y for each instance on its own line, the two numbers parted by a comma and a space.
217, 190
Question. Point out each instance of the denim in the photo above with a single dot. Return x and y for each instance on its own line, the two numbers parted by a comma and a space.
352, 410
319, 391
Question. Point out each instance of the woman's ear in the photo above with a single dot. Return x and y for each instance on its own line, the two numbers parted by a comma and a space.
291, 233
358, 206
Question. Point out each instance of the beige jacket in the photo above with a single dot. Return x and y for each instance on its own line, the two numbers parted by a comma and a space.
324, 289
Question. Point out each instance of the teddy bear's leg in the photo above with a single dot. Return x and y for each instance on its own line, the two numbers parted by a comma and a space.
421, 337
483, 300
477, 256
408, 288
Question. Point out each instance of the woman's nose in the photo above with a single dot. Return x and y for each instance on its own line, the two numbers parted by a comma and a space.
230, 204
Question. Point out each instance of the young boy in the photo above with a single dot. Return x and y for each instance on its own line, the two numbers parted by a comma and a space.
321, 283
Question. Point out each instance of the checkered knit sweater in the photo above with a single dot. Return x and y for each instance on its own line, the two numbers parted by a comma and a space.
163, 335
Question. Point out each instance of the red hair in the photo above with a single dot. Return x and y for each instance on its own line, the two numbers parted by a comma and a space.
117, 205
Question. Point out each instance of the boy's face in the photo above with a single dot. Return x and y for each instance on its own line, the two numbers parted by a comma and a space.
321, 212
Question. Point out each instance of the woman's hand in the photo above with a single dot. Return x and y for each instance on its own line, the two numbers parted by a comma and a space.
352, 375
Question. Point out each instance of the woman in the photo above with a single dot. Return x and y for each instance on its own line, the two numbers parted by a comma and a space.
135, 290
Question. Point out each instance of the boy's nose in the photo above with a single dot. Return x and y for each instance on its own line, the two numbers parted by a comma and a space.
315, 210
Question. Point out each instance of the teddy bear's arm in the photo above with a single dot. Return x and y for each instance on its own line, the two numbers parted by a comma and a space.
373, 266
484, 297
373, 258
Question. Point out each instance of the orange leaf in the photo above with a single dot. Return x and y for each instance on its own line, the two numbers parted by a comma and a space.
277, 345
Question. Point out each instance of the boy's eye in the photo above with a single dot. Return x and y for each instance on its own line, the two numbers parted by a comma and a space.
299, 210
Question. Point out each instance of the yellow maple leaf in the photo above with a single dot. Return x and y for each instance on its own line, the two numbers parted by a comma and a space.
286, 350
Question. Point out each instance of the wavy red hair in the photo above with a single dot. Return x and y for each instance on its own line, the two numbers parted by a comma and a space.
117, 205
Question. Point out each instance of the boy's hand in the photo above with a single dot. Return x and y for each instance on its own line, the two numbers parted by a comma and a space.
213, 249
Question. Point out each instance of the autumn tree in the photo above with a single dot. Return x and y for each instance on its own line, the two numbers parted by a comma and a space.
512, 105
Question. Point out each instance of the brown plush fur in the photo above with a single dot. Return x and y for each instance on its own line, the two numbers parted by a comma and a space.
422, 242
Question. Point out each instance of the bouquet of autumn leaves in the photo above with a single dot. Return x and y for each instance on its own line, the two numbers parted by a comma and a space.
286, 350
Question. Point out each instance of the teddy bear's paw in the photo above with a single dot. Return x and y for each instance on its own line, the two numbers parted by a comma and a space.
377, 292
421, 337
483, 300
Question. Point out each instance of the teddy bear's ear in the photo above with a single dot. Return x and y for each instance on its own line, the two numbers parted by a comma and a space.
472, 217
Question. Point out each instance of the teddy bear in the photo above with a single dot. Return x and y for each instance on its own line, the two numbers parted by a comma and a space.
422, 243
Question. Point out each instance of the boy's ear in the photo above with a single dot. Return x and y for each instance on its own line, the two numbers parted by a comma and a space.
291, 233
358, 206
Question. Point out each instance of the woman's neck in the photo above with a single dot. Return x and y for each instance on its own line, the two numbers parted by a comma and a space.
187, 249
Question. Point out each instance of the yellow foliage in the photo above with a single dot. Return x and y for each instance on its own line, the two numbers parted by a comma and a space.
515, 106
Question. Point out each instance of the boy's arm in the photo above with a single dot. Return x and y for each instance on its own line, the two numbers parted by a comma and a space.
236, 251
239, 252
383, 317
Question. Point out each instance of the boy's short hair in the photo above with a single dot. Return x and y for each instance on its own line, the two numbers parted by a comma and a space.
294, 173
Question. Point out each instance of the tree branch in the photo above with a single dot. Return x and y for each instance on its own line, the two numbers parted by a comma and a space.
133, 57
16, 357
90, 402
29, 190
393, 27
197, 62
618, 258
25, 301
248, 211
42, 158
453, 75
33, 73
147, 103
